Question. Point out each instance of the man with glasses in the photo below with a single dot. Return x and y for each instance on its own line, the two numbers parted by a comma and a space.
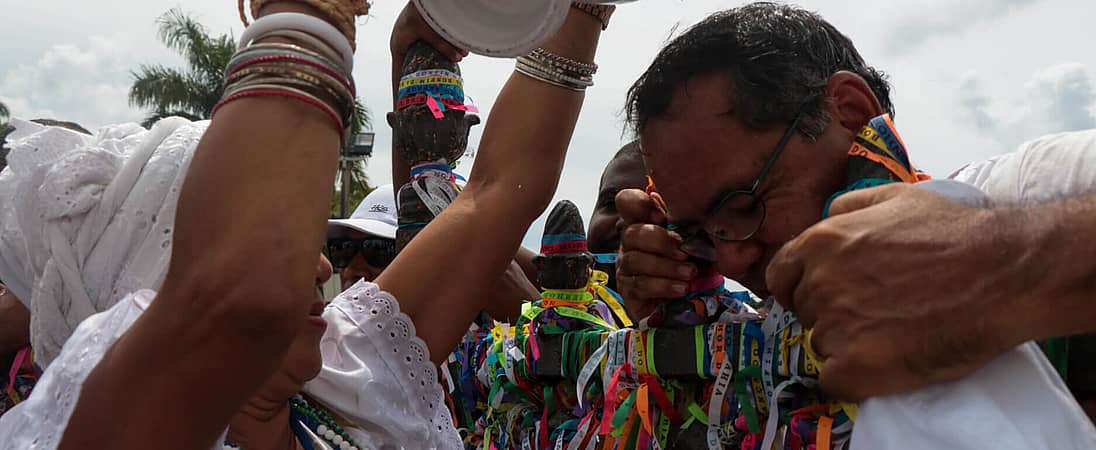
745, 128
746, 122
361, 246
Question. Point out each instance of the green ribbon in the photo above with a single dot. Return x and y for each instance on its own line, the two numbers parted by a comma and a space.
622, 413
583, 315
745, 397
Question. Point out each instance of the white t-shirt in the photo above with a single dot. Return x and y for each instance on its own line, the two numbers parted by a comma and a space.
1049, 168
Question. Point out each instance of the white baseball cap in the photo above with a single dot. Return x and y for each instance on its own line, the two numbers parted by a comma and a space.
375, 215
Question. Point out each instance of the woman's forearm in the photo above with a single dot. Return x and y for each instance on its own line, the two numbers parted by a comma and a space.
444, 277
248, 232
530, 127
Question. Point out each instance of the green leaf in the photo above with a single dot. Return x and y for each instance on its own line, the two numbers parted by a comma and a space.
191, 92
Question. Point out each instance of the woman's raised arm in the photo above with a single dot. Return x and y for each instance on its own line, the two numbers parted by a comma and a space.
443, 277
250, 223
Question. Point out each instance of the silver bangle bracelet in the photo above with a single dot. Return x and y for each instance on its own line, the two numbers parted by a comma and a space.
305, 75
563, 63
312, 43
276, 49
570, 79
317, 78
547, 80
304, 23
260, 79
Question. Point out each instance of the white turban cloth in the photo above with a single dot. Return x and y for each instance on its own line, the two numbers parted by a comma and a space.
86, 220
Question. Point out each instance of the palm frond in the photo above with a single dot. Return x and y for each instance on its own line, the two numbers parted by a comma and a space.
362, 118
359, 188
215, 58
165, 89
359, 179
184, 34
4, 113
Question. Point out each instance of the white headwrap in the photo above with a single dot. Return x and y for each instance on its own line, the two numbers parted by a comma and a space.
86, 220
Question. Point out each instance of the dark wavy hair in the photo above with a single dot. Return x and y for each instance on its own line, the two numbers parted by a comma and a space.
779, 58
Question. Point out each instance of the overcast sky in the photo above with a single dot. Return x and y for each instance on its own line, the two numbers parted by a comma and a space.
972, 78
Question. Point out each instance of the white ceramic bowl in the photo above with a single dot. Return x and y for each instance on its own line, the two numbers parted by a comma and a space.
499, 28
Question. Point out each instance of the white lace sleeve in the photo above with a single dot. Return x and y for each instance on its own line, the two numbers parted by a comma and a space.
377, 373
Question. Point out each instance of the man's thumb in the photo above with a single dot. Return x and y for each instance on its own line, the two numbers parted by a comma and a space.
635, 206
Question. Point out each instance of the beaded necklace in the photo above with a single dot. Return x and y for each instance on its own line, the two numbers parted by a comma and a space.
318, 421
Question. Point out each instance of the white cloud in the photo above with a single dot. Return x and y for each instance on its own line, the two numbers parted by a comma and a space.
921, 20
86, 83
1062, 97
1056, 98
973, 102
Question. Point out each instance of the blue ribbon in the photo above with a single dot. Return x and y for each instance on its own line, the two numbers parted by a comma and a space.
557, 238
434, 90
606, 258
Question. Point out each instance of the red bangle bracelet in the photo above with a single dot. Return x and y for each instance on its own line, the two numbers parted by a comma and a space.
276, 93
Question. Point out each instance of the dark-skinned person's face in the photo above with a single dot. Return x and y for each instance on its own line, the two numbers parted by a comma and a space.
699, 151
625, 171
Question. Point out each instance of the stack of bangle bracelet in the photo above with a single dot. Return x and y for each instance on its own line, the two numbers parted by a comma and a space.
315, 69
557, 70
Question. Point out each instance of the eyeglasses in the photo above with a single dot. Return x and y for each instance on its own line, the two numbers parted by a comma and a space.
737, 216
377, 252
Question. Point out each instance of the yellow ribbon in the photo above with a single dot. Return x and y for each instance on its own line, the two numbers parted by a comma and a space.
597, 282
431, 80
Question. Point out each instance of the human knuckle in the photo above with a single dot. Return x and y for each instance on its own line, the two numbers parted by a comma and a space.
823, 234
651, 285
631, 236
629, 262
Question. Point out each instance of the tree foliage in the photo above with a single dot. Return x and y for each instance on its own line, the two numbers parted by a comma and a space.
192, 92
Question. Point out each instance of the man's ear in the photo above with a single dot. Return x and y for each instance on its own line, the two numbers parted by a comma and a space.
850, 102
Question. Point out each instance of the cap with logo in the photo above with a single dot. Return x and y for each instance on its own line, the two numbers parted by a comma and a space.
375, 215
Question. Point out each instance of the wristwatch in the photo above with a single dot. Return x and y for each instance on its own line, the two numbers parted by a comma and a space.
600, 12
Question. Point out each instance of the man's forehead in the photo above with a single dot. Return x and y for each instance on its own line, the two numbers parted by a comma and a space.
692, 174
703, 94
624, 171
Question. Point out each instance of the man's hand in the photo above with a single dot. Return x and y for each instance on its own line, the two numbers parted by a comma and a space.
651, 266
411, 27
903, 288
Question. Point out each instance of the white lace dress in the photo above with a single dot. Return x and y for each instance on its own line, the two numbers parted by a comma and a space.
376, 373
